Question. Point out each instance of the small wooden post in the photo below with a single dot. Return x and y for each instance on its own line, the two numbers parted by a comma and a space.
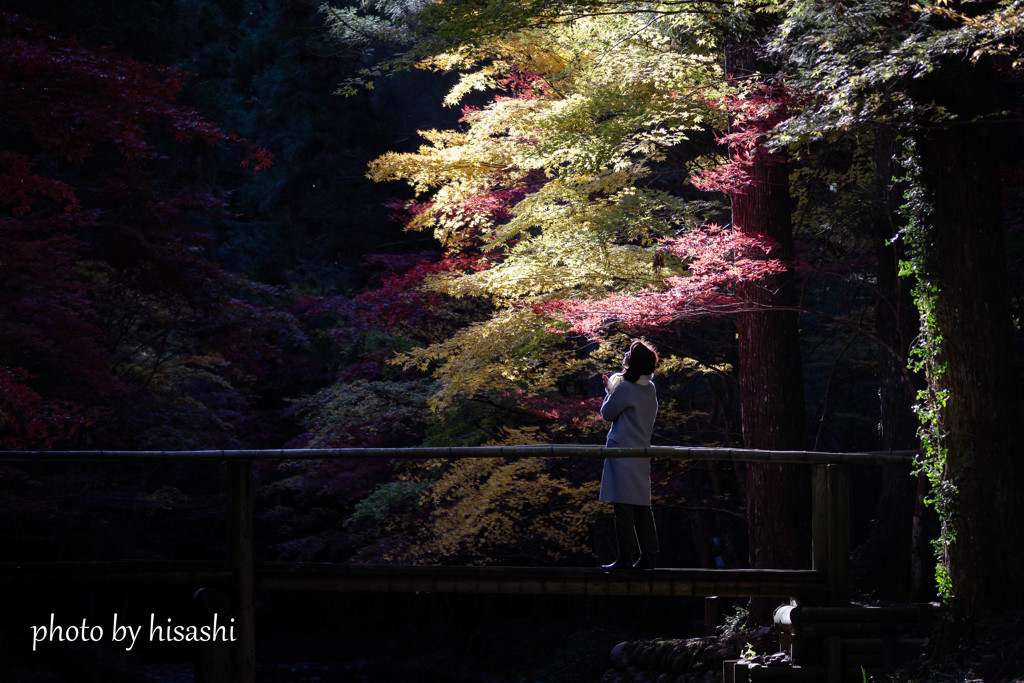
243, 567
839, 535
834, 659
213, 661
712, 613
819, 518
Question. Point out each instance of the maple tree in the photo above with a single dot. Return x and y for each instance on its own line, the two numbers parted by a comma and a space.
603, 230
492, 362
589, 240
111, 315
593, 241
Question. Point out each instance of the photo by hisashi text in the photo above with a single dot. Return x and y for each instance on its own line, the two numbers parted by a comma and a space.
159, 631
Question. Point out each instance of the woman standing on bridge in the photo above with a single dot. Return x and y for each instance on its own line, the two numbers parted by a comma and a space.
631, 405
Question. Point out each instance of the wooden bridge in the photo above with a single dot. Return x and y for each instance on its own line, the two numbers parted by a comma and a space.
826, 583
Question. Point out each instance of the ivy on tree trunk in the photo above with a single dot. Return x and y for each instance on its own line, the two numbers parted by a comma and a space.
980, 419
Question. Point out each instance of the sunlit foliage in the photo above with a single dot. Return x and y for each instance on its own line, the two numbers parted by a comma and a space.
573, 156
504, 512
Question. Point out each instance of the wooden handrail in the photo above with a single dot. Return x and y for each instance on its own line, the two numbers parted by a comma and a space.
452, 452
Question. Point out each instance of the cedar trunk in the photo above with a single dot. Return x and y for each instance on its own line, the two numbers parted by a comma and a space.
771, 384
770, 369
982, 417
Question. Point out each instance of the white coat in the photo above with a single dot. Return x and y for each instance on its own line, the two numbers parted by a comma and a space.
631, 407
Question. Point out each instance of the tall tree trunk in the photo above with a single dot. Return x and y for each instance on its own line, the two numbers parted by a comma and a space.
771, 386
982, 417
770, 372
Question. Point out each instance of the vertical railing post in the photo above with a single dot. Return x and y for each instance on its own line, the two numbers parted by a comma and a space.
819, 518
839, 535
243, 569
830, 529
830, 550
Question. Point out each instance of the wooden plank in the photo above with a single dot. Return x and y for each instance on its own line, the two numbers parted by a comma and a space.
917, 613
542, 581
434, 579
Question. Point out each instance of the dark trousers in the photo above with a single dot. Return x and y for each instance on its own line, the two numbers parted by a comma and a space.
635, 533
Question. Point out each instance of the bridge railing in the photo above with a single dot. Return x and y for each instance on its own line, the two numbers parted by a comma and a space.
827, 580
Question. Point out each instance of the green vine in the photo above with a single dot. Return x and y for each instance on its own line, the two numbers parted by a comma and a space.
926, 358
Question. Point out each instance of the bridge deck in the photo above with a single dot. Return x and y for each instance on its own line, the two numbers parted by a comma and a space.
667, 582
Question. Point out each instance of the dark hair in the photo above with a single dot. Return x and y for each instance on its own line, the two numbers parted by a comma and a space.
641, 360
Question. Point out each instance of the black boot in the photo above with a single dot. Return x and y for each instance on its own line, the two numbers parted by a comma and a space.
619, 565
646, 561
